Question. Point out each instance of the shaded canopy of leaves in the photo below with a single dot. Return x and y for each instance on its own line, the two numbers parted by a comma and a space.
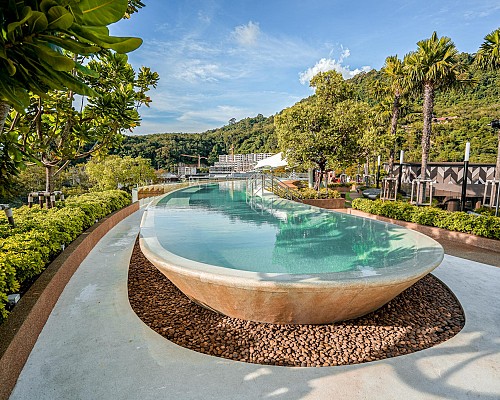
36, 34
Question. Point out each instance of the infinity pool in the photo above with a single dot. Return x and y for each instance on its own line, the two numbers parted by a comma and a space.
267, 250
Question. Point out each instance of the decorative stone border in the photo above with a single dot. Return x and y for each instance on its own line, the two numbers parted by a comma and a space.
19, 333
436, 233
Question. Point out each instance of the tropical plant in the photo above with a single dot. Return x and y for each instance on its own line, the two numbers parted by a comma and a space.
40, 234
481, 225
325, 130
114, 172
394, 86
434, 65
488, 58
488, 55
56, 133
40, 43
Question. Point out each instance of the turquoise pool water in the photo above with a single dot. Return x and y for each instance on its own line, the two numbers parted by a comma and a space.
220, 225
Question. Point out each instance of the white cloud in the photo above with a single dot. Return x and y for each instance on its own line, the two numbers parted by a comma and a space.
345, 53
247, 35
220, 114
195, 70
203, 17
329, 64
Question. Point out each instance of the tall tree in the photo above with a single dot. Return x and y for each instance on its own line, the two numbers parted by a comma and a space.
113, 172
38, 44
434, 65
56, 133
323, 131
395, 86
488, 58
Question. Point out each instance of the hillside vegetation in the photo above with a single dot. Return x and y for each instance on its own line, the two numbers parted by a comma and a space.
250, 135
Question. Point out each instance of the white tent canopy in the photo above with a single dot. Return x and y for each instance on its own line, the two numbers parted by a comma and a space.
272, 162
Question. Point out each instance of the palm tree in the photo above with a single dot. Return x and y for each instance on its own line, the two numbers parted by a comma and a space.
434, 65
488, 55
394, 74
488, 58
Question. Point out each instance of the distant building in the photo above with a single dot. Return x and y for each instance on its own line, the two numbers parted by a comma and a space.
165, 176
186, 170
229, 163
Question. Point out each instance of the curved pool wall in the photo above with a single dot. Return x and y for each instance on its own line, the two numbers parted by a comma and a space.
244, 256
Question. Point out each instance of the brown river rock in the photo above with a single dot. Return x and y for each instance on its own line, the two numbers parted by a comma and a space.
424, 315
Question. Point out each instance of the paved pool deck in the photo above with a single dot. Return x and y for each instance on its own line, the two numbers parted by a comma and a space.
95, 347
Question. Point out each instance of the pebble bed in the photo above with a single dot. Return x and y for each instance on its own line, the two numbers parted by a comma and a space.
423, 316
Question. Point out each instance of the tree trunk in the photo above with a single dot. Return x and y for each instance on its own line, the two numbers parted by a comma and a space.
427, 130
497, 169
394, 127
49, 178
426, 134
322, 167
4, 111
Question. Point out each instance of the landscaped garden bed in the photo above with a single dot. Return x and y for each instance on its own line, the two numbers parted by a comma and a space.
480, 225
41, 234
324, 198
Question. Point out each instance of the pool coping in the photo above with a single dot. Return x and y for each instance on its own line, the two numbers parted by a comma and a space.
19, 333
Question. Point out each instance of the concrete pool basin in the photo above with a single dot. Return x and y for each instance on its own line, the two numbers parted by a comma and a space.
288, 294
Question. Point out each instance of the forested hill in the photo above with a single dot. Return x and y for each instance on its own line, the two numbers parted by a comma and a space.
250, 135
474, 108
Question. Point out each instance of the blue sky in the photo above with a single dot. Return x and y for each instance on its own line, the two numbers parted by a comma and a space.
220, 59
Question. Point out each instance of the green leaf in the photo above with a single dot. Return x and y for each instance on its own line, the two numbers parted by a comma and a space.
125, 44
56, 60
45, 5
17, 97
71, 45
102, 12
11, 67
72, 83
59, 18
37, 22
86, 71
26, 13
97, 35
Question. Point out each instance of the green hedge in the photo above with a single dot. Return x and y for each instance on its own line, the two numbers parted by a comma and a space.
306, 193
39, 235
481, 225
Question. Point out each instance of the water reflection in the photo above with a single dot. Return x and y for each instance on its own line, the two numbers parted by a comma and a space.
221, 225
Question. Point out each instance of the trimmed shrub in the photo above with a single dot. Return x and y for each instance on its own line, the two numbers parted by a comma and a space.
311, 193
40, 233
481, 225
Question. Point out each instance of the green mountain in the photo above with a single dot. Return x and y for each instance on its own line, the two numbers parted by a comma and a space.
250, 135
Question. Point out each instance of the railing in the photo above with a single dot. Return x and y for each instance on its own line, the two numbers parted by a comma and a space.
207, 179
265, 184
494, 194
419, 189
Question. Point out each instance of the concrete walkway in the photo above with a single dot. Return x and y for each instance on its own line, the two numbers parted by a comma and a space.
94, 347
